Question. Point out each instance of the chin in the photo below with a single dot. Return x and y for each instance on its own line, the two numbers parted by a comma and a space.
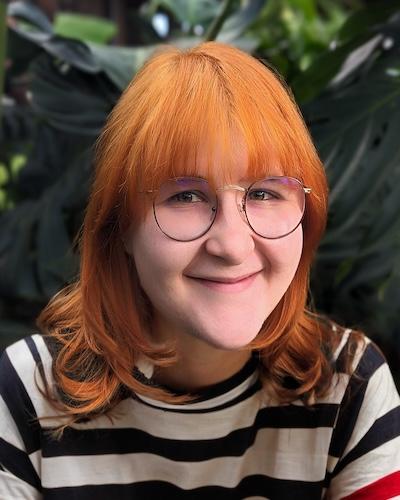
230, 342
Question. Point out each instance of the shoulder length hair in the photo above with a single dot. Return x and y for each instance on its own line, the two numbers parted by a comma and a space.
179, 101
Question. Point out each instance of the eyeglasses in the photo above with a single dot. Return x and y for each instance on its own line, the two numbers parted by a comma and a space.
185, 207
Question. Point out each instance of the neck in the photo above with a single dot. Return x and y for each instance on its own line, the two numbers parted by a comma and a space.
199, 366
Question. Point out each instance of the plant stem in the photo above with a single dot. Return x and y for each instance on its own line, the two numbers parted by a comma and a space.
216, 25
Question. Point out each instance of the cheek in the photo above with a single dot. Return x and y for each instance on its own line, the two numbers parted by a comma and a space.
156, 257
284, 254
148, 258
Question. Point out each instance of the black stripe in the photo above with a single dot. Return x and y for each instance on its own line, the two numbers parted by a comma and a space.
17, 463
300, 417
260, 486
370, 361
242, 397
36, 356
19, 404
222, 388
383, 430
129, 440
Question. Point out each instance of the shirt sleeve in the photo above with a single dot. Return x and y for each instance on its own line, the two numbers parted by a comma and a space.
19, 430
365, 447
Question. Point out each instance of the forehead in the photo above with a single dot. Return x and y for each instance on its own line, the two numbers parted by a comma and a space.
223, 163
220, 170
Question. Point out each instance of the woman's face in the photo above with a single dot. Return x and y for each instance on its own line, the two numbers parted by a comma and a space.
186, 282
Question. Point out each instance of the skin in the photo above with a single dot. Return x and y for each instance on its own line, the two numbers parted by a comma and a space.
212, 323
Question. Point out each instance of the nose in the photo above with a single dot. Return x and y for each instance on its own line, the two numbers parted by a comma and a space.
230, 237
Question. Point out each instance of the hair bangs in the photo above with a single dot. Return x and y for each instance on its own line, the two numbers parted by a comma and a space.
199, 126
200, 112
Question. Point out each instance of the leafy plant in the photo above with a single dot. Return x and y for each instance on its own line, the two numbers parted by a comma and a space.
355, 121
291, 34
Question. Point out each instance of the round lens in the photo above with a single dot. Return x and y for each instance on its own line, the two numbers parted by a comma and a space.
275, 206
185, 208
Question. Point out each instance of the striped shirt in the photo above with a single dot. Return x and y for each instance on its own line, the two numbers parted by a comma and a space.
234, 442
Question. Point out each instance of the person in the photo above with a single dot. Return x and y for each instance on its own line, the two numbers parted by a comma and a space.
184, 363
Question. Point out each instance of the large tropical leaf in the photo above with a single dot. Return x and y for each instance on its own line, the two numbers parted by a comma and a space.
236, 24
31, 16
36, 258
355, 45
355, 123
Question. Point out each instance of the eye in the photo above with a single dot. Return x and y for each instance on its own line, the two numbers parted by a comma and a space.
187, 197
262, 195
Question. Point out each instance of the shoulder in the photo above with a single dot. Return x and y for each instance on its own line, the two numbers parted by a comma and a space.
363, 369
25, 356
366, 435
362, 376
357, 353
29, 350
24, 367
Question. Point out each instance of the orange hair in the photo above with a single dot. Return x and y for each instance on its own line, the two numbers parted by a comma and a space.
178, 102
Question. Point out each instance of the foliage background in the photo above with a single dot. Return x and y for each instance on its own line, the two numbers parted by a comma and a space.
342, 61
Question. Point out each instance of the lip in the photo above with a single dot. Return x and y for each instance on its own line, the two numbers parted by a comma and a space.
225, 284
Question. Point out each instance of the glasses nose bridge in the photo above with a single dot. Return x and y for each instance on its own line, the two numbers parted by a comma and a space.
236, 187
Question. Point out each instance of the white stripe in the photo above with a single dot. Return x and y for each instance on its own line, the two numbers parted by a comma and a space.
380, 397
36, 459
332, 462
209, 403
134, 414
365, 470
297, 454
12, 488
361, 348
8, 429
343, 340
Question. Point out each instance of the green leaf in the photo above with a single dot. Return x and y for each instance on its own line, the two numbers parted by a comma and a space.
68, 99
4, 176
316, 77
18, 162
84, 27
29, 17
120, 63
359, 41
238, 22
308, 8
3, 200
365, 19
18, 277
25, 46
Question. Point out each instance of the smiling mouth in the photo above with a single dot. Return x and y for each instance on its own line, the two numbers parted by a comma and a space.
227, 284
